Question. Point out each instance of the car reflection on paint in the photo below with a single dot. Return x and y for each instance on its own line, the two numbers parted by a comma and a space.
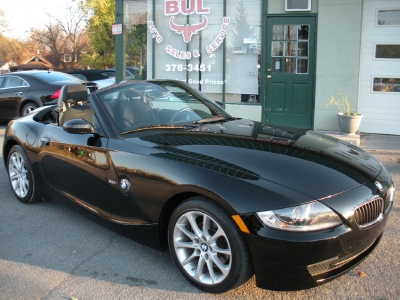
24, 91
229, 197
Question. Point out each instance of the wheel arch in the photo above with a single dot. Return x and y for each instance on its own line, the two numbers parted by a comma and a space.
6, 149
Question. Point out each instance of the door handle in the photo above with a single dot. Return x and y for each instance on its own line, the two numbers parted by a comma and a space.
269, 77
18, 94
45, 142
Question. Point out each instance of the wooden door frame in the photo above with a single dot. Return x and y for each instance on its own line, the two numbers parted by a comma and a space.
265, 52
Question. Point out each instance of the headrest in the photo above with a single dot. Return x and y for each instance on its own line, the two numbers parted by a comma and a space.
73, 93
131, 93
157, 92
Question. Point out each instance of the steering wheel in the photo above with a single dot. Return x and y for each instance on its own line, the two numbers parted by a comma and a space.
179, 112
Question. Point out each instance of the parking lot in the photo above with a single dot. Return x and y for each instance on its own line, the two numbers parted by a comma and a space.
49, 251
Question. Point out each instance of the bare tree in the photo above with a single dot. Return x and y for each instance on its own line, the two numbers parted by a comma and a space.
65, 38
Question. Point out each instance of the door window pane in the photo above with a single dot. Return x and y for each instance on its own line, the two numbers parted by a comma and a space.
277, 65
302, 49
291, 43
303, 32
277, 48
290, 48
291, 32
290, 65
277, 32
302, 66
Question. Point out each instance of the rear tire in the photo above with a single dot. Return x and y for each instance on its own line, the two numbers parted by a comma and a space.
208, 247
21, 177
28, 108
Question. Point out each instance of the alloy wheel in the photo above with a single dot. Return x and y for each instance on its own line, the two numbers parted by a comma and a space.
202, 248
18, 174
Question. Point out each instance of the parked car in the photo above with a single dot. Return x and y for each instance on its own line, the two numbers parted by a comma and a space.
110, 72
133, 70
22, 92
229, 197
94, 76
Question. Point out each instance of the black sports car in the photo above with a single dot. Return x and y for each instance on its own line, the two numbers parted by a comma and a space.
229, 197
22, 92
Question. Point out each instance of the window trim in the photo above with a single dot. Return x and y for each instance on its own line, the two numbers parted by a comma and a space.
379, 92
13, 87
377, 17
384, 59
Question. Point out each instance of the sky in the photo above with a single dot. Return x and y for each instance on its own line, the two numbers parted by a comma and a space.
21, 15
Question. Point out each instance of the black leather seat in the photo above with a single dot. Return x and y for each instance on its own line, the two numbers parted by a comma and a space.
73, 104
135, 112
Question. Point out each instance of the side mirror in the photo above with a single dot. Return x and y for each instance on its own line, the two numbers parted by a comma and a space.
78, 126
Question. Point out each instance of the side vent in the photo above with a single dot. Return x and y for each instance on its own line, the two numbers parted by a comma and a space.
297, 5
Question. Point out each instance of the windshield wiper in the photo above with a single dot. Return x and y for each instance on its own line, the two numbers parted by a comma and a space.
213, 119
158, 127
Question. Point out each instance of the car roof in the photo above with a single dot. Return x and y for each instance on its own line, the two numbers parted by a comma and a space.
89, 74
31, 72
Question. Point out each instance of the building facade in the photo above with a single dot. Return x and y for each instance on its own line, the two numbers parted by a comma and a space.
275, 61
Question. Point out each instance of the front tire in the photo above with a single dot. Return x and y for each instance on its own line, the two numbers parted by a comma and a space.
208, 247
20, 175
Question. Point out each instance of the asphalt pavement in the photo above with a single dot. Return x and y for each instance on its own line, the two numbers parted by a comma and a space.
48, 251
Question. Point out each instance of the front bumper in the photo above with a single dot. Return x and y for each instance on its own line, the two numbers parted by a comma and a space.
293, 261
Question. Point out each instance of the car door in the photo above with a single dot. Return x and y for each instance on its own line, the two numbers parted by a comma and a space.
12, 90
76, 165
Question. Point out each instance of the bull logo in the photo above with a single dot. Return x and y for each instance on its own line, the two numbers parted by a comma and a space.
188, 30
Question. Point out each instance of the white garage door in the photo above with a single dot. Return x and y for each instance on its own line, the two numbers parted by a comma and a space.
379, 90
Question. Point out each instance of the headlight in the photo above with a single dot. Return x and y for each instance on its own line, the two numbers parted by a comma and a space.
307, 217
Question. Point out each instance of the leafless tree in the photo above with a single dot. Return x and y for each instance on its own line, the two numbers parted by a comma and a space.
65, 38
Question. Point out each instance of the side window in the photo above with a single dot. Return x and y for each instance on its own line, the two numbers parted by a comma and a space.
80, 76
11, 82
108, 74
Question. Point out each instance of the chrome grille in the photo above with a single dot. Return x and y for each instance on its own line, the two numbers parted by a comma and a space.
369, 213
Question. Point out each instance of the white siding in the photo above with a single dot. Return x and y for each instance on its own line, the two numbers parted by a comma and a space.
381, 110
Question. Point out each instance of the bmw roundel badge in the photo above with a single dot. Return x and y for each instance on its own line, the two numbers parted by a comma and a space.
125, 185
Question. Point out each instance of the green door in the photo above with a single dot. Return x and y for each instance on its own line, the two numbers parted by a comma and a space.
290, 70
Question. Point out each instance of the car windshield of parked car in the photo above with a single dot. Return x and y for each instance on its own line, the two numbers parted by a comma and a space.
56, 76
153, 105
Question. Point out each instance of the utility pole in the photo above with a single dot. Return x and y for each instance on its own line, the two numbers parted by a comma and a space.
120, 43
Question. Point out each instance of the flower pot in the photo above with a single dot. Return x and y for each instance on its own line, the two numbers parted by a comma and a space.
349, 124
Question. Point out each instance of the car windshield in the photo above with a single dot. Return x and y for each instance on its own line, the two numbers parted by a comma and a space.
56, 76
152, 105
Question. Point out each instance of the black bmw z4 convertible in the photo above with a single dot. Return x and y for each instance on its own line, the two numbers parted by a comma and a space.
229, 197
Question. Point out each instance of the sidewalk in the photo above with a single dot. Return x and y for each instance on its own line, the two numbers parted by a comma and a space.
370, 141
379, 142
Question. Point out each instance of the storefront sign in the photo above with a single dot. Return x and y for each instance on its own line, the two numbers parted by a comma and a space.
154, 32
221, 36
188, 7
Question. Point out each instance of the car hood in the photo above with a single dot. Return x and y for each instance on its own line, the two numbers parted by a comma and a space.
306, 161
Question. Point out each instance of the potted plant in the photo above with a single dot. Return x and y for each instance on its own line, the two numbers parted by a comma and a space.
349, 122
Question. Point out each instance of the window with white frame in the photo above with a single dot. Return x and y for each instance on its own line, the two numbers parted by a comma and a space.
388, 17
386, 51
386, 84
